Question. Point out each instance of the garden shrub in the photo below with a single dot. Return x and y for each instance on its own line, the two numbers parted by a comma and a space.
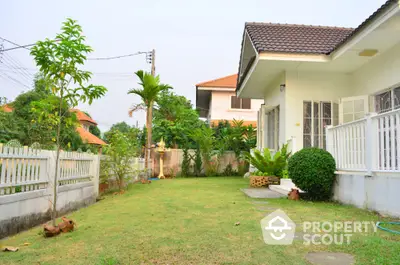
313, 171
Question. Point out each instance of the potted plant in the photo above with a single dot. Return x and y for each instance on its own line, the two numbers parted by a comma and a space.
269, 167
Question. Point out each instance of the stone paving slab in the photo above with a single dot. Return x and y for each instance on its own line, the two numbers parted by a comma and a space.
330, 258
262, 193
266, 209
259, 202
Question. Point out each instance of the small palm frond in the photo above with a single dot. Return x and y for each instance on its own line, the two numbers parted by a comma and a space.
136, 107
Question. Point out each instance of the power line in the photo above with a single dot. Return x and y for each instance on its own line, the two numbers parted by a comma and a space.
13, 79
17, 63
116, 57
13, 68
8, 61
16, 44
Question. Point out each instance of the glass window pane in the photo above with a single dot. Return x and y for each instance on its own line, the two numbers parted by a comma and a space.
359, 115
383, 102
396, 99
316, 140
235, 102
348, 107
335, 114
307, 109
359, 105
347, 118
306, 141
246, 103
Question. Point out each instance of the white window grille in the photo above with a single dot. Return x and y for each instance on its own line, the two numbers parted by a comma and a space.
316, 116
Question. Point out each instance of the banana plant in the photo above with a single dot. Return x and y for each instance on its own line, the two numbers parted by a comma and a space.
267, 163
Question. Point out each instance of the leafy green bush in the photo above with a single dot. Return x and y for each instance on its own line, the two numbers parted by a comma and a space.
185, 171
313, 171
229, 171
268, 164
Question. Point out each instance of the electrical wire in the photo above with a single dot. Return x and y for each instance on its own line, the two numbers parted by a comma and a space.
20, 73
17, 63
16, 44
115, 57
13, 79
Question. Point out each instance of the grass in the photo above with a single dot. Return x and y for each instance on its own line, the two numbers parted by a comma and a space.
191, 221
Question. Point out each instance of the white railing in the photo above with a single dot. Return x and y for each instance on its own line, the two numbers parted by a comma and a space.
75, 167
25, 169
22, 169
292, 145
371, 144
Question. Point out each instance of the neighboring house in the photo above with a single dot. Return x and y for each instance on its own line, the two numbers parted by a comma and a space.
216, 101
6, 108
310, 77
83, 130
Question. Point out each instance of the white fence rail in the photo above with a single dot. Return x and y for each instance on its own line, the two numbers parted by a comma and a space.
22, 169
371, 144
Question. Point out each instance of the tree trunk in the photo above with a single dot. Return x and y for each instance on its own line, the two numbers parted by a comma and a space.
55, 183
149, 119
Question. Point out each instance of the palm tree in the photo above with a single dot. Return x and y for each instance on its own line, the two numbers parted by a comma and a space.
149, 91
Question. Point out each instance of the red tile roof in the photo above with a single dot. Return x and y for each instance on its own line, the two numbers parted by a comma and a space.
227, 81
7, 108
83, 117
89, 138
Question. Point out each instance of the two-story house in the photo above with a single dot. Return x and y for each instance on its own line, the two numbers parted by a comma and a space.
216, 101
85, 122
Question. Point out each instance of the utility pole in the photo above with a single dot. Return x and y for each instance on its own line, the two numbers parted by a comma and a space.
153, 62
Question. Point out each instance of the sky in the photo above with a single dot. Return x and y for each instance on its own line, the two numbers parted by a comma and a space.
195, 41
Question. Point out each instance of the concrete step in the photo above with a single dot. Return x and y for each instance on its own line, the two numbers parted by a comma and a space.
280, 189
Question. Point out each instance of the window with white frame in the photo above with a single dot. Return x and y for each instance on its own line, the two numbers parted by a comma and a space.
316, 116
272, 121
388, 100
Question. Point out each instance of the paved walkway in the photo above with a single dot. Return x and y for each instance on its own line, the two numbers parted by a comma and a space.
262, 193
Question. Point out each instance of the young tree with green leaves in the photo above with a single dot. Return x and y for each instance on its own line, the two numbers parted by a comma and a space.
150, 89
122, 149
174, 118
60, 63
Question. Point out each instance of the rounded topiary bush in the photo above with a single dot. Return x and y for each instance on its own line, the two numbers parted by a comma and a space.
313, 171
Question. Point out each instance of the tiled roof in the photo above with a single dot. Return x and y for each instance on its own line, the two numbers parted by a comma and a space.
289, 38
227, 81
7, 108
304, 39
89, 138
386, 5
83, 117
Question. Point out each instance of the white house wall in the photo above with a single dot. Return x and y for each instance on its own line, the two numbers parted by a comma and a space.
221, 107
274, 97
310, 86
380, 73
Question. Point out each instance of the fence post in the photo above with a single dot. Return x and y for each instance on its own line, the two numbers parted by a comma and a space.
371, 147
96, 173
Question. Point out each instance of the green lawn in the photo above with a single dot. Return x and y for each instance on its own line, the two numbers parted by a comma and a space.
191, 221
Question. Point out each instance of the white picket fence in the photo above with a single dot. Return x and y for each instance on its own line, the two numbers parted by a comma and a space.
24, 169
371, 144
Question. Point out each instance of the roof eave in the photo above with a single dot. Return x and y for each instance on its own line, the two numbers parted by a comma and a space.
386, 11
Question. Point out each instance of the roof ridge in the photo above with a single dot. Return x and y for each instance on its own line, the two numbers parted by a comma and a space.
297, 25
